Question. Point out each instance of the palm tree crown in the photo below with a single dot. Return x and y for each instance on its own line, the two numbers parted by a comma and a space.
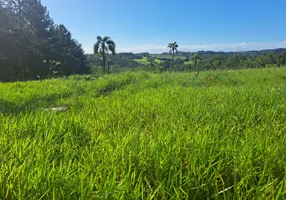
173, 48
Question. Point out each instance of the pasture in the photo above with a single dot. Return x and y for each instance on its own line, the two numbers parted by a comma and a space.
144, 61
212, 135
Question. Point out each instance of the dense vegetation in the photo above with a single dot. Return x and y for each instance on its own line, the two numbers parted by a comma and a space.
191, 61
212, 135
31, 45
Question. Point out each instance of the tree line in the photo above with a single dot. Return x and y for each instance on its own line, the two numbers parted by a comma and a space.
190, 61
32, 45
234, 60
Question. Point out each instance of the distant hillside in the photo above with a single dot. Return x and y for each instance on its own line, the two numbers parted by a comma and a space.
214, 53
130, 55
186, 61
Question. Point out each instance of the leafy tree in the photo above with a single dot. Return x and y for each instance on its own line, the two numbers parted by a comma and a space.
218, 61
103, 46
282, 59
30, 42
173, 48
197, 60
7, 43
25, 37
34, 25
67, 52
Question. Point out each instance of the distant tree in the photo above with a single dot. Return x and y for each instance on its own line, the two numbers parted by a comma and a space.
103, 46
218, 61
173, 48
282, 58
197, 60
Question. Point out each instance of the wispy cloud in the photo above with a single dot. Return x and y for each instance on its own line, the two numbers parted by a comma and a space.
242, 46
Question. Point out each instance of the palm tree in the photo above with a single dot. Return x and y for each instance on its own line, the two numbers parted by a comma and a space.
103, 46
173, 47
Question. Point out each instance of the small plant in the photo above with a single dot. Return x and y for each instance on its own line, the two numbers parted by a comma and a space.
52, 65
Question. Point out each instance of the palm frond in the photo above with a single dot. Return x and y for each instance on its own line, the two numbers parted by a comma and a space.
112, 49
170, 45
96, 47
173, 45
99, 38
110, 42
106, 38
111, 46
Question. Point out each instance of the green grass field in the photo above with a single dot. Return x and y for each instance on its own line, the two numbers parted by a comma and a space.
144, 61
218, 135
169, 56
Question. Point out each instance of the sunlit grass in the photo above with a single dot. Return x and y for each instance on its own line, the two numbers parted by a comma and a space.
220, 135
169, 56
142, 61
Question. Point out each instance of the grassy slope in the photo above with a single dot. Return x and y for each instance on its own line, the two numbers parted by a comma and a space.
140, 135
144, 61
168, 56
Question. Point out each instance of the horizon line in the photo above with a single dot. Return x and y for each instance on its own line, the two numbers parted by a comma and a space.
217, 47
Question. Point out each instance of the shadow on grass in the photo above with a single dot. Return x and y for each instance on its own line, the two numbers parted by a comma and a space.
112, 86
37, 102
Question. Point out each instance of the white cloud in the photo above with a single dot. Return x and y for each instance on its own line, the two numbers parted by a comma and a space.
144, 48
242, 46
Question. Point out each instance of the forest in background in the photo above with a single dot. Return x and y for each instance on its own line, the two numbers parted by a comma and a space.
191, 61
32, 45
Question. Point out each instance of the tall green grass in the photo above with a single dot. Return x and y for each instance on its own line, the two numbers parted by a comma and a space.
218, 135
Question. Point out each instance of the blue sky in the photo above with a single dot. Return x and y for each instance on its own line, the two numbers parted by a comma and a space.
149, 25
